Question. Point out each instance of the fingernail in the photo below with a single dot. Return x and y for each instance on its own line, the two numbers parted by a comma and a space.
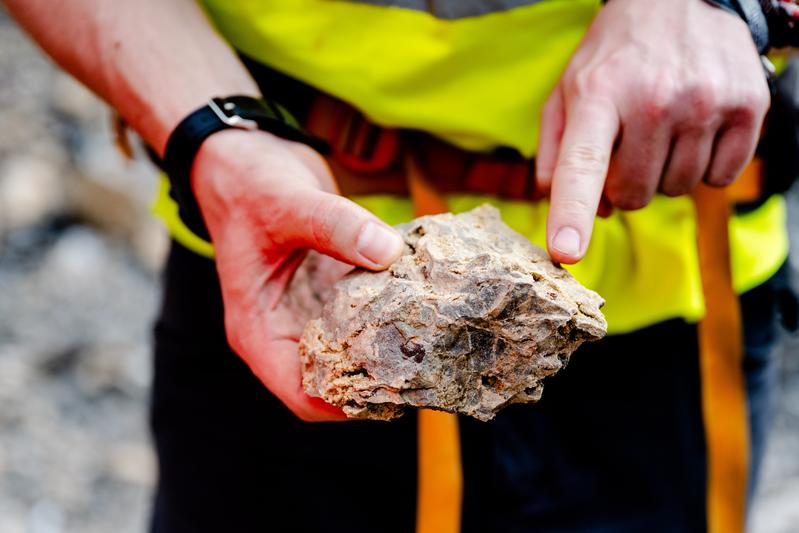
379, 244
567, 241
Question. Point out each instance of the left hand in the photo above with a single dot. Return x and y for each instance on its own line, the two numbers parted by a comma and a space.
267, 201
659, 96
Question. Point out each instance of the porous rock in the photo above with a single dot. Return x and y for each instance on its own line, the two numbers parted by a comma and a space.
469, 320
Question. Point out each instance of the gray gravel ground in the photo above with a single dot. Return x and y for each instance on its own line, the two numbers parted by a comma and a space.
777, 505
78, 290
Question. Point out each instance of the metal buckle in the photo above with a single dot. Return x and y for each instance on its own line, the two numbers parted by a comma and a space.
221, 110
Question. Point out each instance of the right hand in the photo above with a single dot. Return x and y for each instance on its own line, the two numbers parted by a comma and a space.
265, 202
659, 97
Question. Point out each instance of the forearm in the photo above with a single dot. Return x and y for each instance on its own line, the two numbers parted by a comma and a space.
153, 61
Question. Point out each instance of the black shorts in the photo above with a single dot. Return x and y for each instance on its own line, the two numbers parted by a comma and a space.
616, 444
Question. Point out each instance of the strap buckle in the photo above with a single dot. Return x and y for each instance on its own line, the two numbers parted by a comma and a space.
226, 112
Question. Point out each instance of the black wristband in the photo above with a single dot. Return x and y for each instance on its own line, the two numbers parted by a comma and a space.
235, 112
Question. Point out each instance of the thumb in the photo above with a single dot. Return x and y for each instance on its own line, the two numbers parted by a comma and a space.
336, 226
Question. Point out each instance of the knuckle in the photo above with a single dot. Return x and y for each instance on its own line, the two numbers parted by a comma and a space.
745, 116
584, 160
324, 220
750, 110
654, 108
751, 106
704, 103
656, 98
574, 208
588, 82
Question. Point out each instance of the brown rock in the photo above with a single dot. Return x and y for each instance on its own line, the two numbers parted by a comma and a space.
471, 319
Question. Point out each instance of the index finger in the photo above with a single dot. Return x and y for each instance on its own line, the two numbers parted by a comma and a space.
592, 125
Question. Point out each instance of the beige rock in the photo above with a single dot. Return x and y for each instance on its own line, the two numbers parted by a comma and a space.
471, 319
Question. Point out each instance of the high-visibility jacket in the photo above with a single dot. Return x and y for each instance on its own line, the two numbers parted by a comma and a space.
477, 73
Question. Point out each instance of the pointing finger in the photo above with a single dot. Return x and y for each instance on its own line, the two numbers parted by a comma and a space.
591, 129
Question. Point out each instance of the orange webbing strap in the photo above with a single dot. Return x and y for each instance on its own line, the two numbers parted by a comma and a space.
440, 477
720, 347
749, 185
440, 485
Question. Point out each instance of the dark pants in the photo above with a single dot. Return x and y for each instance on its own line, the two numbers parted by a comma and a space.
616, 444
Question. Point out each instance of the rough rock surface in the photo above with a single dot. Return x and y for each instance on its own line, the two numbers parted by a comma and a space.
471, 319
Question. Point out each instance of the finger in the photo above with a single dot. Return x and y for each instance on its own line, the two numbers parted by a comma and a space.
638, 162
302, 297
579, 177
605, 208
551, 133
734, 148
279, 367
322, 273
688, 163
265, 339
335, 226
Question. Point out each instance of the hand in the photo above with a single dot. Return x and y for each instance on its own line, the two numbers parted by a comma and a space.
659, 96
267, 201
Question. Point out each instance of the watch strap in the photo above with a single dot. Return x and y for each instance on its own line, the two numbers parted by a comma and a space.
235, 112
182, 148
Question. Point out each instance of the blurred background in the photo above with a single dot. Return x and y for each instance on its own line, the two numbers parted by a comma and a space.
80, 256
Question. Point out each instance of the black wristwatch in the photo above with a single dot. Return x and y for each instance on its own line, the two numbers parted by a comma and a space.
233, 112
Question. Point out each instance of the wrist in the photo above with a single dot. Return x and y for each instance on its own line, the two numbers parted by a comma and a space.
153, 105
242, 114
223, 145
225, 164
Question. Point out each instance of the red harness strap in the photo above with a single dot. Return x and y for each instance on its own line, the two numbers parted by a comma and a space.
369, 159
